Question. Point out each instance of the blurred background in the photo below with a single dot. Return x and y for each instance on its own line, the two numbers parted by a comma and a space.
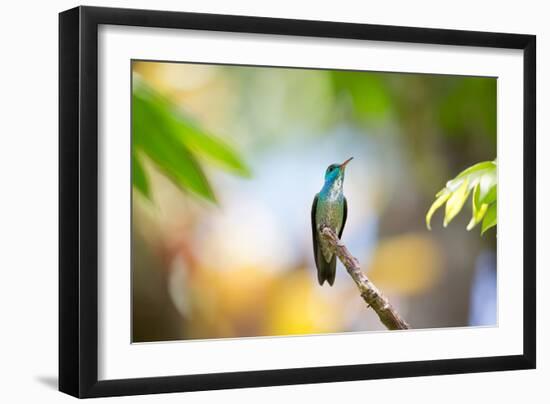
227, 161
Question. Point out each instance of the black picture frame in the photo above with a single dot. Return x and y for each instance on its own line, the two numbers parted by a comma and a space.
78, 200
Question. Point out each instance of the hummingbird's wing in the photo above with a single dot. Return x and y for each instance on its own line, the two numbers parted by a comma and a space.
344, 218
314, 231
325, 270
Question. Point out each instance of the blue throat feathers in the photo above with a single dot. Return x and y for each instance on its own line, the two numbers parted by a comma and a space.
333, 186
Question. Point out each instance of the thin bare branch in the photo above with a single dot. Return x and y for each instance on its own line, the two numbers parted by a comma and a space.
370, 293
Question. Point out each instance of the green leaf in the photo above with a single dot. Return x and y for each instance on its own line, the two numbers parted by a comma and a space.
481, 178
441, 199
455, 202
154, 135
491, 196
139, 178
209, 146
476, 168
473, 174
454, 184
490, 219
197, 140
478, 209
441, 192
488, 187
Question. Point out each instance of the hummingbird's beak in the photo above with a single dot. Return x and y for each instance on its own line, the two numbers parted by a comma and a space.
345, 163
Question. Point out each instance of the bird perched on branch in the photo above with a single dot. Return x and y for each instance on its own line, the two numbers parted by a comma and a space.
330, 208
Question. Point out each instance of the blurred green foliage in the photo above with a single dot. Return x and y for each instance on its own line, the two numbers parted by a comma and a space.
480, 180
175, 143
370, 93
471, 104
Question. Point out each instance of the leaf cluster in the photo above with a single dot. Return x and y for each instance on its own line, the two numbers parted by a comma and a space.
174, 143
479, 180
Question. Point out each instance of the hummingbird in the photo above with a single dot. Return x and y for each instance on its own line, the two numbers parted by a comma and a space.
330, 208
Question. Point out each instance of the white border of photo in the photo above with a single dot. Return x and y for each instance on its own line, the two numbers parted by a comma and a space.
119, 358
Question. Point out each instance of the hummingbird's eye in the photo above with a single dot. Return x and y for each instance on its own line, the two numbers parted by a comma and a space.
331, 168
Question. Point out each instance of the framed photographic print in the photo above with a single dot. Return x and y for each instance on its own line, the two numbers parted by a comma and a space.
251, 201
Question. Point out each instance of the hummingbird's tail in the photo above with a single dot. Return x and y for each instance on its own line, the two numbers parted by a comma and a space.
326, 270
